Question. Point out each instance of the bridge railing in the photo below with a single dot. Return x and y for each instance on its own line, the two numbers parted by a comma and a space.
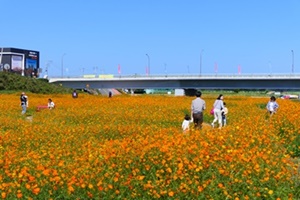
109, 76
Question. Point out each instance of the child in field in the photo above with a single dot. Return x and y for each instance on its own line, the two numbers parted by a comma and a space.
51, 104
75, 94
272, 105
224, 114
186, 123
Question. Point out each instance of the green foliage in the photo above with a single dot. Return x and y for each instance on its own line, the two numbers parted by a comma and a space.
262, 105
14, 82
289, 133
236, 90
294, 147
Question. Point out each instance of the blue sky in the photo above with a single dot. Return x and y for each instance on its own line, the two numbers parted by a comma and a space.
95, 36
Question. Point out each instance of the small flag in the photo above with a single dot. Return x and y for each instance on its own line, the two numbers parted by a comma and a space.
239, 69
216, 67
119, 69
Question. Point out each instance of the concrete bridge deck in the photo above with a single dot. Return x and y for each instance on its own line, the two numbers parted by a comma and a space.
216, 81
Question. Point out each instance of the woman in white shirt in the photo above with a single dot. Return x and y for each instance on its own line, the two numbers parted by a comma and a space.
218, 107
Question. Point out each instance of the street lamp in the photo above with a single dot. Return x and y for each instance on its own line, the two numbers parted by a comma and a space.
148, 63
201, 62
1, 57
95, 70
270, 67
292, 61
47, 66
62, 65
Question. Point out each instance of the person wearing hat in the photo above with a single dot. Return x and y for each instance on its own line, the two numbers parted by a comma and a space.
24, 102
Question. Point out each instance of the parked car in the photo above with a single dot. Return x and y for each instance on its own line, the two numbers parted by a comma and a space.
289, 96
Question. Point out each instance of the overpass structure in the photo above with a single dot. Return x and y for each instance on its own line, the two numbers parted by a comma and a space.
220, 82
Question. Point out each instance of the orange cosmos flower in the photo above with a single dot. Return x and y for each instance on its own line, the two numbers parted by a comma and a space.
70, 189
171, 193
3, 195
31, 178
27, 186
116, 179
90, 186
36, 190
19, 195
46, 172
180, 165
200, 188
100, 188
110, 186
90, 195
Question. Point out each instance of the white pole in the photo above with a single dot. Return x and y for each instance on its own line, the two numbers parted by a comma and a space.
1, 57
23, 65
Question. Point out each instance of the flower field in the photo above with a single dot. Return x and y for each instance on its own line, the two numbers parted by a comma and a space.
132, 147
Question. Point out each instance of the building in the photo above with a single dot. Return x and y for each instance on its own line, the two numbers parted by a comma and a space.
21, 61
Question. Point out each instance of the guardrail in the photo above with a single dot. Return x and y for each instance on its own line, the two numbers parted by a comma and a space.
207, 81
109, 76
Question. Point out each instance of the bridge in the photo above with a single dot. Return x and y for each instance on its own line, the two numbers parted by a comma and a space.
216, 81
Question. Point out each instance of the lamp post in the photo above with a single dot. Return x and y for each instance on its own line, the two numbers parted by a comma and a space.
292, 61
270, 67
47, 66
95, 70
62, 65
201, 62
148, 63
1, 58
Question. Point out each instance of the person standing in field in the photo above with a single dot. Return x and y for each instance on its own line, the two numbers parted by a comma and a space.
186, 123
218, 107
24, 102
197, 108
75, 94
272, 105
224, 114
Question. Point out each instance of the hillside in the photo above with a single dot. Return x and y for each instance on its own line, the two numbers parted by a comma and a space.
10, 82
